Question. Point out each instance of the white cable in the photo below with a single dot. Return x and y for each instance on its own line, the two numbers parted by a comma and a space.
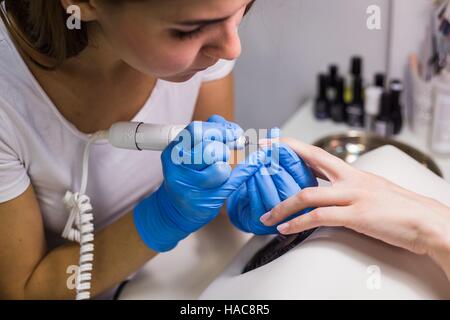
80, 225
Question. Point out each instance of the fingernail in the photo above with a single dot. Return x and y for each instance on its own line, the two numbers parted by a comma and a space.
283, 227
265, 217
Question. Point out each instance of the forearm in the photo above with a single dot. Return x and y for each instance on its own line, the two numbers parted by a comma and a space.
119, 251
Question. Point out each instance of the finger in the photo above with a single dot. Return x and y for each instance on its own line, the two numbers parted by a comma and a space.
217, 129
320, 217
269, 192
284, 183
256, 202
244, 171
210, 152
323, 163
232, 130
200, 156
237, 204
189, 166
308, 198
257, 209
267, 143
296, 167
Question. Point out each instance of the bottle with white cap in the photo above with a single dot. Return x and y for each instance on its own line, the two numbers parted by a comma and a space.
372, 104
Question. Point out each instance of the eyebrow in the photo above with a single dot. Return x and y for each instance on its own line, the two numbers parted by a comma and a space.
206, 21
201, 22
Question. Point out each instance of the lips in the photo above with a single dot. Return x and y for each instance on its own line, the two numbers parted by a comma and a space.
202, 69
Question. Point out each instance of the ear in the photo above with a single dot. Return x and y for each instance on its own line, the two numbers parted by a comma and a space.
87, 9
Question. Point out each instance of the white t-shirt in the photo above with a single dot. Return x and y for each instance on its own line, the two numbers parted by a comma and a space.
39, 146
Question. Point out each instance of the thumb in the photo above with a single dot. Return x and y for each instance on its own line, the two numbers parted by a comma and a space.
232, 131
325, 165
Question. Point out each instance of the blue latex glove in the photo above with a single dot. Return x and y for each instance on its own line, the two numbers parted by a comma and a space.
192, 194
283, 175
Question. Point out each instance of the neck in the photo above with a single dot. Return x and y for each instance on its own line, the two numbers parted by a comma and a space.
99, 62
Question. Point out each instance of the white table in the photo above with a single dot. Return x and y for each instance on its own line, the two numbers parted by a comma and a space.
186, 271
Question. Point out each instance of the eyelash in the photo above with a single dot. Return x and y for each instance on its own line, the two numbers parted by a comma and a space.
183, 35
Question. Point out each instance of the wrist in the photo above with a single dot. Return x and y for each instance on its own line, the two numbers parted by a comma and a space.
438, 246
153, 224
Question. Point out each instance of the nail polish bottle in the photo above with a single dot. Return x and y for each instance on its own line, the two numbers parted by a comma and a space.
384, 125
338, 107
355, 110
322, 105
396, 88
332, 82
356, 68
372, 106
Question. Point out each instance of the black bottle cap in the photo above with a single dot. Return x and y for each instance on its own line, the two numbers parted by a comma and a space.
333, 70
380, 80
322, 86
356, 67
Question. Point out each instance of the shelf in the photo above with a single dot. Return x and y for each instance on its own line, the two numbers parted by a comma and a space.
303, 126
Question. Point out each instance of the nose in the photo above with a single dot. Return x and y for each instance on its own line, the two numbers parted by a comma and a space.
226, 44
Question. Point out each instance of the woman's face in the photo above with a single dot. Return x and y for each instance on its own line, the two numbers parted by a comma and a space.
172, 39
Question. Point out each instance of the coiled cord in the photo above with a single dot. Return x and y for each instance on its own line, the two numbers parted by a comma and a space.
80, 225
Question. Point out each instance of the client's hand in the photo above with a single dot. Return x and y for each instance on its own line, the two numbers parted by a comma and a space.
367, 204
282, 175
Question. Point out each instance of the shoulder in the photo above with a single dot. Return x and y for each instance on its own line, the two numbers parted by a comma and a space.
15, 82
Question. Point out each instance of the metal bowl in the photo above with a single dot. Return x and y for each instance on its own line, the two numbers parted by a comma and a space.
353, 144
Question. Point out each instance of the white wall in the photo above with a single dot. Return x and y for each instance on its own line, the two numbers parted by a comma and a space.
410, 19
287, 42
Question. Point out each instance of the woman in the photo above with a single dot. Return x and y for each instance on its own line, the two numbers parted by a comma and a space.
58, 87
149, 61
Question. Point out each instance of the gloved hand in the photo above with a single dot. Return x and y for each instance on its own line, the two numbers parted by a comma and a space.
283, 175
197, 181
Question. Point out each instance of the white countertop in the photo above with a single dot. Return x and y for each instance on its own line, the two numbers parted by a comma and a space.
303, 126
186, 271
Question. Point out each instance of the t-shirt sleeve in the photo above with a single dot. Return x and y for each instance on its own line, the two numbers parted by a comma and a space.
218, 71
14, 179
